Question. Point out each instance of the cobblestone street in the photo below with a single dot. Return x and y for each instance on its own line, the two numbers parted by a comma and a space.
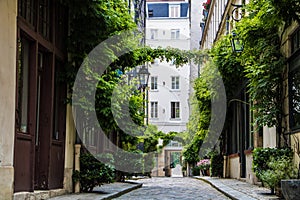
173, 188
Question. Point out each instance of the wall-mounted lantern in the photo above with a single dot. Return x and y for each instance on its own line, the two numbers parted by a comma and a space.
236, 43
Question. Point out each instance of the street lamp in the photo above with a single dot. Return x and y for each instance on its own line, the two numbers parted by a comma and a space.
236, 43
143, 76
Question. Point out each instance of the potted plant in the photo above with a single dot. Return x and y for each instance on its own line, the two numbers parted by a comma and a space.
204, 165
291, 187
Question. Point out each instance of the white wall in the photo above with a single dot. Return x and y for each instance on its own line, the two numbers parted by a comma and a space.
164, 95
163, 70
269, 137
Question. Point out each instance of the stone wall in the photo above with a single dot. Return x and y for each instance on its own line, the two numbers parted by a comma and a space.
8, 24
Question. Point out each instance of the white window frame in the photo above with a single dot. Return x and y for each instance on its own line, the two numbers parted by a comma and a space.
154, 109
175, 110
174, 10
153, 84
175, 34
175, 82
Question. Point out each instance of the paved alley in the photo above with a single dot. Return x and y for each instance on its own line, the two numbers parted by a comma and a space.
173, 188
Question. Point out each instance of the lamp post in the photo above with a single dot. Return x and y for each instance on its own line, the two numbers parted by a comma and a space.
143, 75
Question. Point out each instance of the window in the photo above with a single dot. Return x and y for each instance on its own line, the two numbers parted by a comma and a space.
23, 85
153, 83
44, 18
61, 25
59, 103
294, 83
175, 82
150, 13
295, 98
154, 110
27, 10
175, 34
174, 11
153, 34
296, 41
175, 110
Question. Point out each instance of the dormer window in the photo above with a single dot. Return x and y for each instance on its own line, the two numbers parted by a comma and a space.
174, 11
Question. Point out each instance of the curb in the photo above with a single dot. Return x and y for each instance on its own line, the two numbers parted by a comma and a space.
118, 194
217, 188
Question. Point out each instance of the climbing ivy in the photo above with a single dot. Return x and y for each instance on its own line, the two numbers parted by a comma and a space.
263, 61
260, 66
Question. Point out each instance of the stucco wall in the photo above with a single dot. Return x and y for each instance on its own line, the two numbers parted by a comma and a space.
295, 139
250, 176
69, 150
8, 32
234, 166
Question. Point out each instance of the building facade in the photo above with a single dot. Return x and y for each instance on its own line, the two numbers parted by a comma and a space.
168, 25
38, 135
241, 137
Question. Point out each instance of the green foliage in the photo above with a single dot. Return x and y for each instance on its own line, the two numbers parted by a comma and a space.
261, 63
198, 125
196, 171
263, 60
92, 173
281, 168
229, 65
216, 165
270, 161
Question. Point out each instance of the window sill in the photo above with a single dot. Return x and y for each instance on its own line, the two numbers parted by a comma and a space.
175, 119
154, 119
295, 130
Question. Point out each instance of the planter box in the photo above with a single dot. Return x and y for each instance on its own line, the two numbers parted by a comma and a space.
291, 189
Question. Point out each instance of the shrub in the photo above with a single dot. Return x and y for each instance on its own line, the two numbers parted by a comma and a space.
272, 164
279, 169
216, 166
196, 171
92, 173
261, 156
128, 164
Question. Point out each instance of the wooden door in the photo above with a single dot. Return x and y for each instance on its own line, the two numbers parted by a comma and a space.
25, 115
57, 149
43, 120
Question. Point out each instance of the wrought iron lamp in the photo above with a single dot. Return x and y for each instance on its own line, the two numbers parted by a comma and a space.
143, 75
236, 43
233, 14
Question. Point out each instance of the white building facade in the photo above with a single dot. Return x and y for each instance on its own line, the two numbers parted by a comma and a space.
167, 25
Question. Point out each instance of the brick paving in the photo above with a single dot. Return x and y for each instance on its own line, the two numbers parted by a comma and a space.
174, 188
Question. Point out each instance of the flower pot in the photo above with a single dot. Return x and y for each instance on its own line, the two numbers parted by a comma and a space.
291, 189
207, 172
